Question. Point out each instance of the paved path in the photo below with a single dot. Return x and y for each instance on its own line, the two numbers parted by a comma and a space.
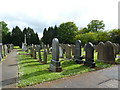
10, 70
106, 78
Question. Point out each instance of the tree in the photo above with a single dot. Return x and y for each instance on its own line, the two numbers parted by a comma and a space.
5, 33
95, 25
17, 36
67, 32
115, 35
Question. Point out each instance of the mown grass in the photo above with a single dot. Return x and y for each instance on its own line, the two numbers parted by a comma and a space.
31, 71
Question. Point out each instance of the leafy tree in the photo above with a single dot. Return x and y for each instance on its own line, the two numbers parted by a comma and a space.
95, 25
115, 35
67, 32
5, 32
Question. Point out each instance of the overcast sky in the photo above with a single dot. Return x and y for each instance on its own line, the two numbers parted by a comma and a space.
40, 14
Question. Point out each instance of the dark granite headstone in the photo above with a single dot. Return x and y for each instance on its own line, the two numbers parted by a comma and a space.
89, 55
78, 57
39, 53
109, 53
55, 65
44, 57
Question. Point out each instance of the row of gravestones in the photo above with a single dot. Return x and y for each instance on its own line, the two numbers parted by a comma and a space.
36, 49
106, 53
5, 49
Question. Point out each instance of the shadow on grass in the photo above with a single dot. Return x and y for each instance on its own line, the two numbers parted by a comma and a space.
67, 63
76, 70
38, 73
34, 65
27, 62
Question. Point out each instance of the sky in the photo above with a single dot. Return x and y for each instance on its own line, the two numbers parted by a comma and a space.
40, 14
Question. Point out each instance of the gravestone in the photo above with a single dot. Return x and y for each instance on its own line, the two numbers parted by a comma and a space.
115, 49
68, 51
0, 51
44, 56
109, 53
78, 57
55, 65
73, 49
31, 51
6, 49
61, 55
48, 51
118, 48
89, 55
39, 53
34, 52
100, 49
63, 47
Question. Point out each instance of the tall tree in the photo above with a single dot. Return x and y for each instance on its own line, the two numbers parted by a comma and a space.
95, 25
16, 36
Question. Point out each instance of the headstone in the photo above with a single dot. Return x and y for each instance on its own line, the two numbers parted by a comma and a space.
78, 57
31, 51
61, 55
44, 57
6, 49
55, 63
89, 55
34, 52
73, 49
109, 53
39, 53
68, 51
118, 48
115, 49
0, 51
100, 49
48, 51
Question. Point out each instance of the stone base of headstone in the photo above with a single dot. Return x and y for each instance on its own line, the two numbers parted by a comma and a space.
89, 64
55, 66
79, 61
110, 62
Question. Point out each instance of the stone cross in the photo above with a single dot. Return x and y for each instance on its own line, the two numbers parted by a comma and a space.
78, 57
89, 55
109, 53
55, 63
100, 49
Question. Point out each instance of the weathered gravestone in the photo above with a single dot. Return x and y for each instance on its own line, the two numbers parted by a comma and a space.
115, 49
100, 49
68, 51
6, 49
31, 51
44, 57
0, 51
55, 63
73, 49
48, 51
61, 55
34, 52
78, 57
118, 48
39, 53
89, 55
109, 53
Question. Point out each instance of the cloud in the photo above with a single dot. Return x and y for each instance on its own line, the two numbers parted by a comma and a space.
39, 14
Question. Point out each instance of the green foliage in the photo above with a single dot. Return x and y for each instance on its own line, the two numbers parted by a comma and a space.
67, 32
115, 35
17, 36
96, 25
6, 36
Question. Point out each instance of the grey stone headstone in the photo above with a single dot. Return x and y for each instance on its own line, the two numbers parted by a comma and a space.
115, 49
44, 57
73, 49
68, 51
89, 55
100, 49
78, 57
118, 48
55, 65
34, 52
61, 55
39, 53
109, 53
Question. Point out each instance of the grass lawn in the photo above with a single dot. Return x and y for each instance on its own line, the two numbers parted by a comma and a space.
32, 72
